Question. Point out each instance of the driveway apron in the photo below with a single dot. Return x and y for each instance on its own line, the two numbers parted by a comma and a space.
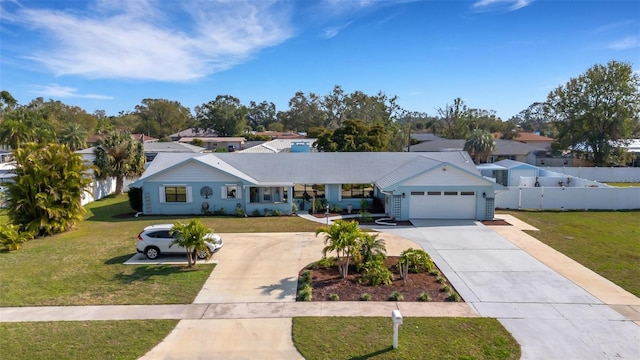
549, 315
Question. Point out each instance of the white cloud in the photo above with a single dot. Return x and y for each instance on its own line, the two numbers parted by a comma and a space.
613, 26
628, 42
511, 5
59, 91
332, 31
143, 40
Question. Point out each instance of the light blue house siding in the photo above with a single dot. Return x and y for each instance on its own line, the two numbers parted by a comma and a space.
409, 185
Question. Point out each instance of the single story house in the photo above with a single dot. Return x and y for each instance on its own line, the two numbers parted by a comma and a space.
504, 149
440, 185
508, 172
214, 143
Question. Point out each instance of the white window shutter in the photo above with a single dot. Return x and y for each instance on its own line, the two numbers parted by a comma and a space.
189, 195
161, 194
223, 192
339, 192
239, 192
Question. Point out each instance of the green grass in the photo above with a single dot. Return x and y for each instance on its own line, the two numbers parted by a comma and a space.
128, 339
605, 242
337, 338
85, 266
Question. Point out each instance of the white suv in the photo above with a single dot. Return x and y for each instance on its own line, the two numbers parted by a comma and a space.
155, 240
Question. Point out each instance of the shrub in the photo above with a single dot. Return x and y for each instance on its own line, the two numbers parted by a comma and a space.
434, 272
441, 280
220, 212
445, 288
11, 238
294, 207
333, 297
424, 297
268, 212
365, 297
375, 273
415, 261
365, 216
135, 198
305, 293
453, 297
335, 208
327, 262
256, 213
306, 277
239, 212
396, 296
277, 212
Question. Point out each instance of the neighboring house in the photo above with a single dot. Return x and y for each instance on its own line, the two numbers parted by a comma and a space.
151, 150
442, 185
93, 140
534, 140
215, 143
282, 145
6, 156
504, 149
509, 172
193, 132
281, 135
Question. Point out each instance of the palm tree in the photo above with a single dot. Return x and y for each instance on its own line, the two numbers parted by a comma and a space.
191, 237
371, 248
341, 237
13, 133
45, 197
119, 155
480, 145
75, 136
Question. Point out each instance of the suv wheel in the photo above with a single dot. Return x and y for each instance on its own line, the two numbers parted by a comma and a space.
152, 252
202, 254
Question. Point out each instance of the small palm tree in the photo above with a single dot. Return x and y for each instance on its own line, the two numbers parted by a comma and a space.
371, 248
12, 238
119, 156
480, 145
191, 237
341, 237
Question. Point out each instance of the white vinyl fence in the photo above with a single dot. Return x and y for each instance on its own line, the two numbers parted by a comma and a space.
569, 198
600, 174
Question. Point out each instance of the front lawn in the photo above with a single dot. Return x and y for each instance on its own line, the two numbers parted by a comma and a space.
128, 339
337, 338
85, 266
605, 242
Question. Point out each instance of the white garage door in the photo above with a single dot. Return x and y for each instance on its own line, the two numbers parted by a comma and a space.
442, 205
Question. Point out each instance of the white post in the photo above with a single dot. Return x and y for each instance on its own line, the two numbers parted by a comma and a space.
397, 320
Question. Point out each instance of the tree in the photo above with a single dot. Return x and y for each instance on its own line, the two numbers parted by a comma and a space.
11, 238
7, 103
415, 261
370, 248
304, 113
341, 237
191, 237
454, 120
74, 136
119, 155
263, 114
225, 115
480, 145
534, 119
46, 196
353, 136
595, 112
160, 117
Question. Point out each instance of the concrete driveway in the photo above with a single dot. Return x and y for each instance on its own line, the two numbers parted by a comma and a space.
255, 272
549, 315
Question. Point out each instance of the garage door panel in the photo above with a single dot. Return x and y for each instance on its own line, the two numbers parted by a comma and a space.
442, 205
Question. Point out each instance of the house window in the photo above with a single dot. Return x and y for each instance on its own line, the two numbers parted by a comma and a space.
467, 193
434, 193
449, 193
266, 194
351, 191
417, 193
175, 194
230, 192
316, 190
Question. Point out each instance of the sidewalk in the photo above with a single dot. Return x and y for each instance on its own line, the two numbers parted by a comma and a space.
232, 311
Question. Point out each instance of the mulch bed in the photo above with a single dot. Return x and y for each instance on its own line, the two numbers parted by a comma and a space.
496, 222
328, 281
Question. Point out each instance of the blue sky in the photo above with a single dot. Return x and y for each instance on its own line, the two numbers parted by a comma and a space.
500, 55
